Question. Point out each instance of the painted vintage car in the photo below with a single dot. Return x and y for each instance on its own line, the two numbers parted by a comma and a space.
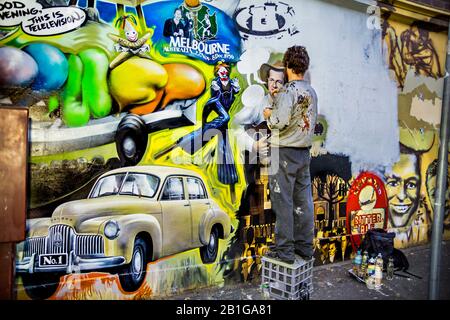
133, 215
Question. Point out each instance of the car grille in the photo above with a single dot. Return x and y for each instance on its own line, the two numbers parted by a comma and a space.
63, 239
34, 245
89, 245
59, 239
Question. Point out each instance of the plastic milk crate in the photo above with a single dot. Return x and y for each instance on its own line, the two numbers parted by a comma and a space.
287, 281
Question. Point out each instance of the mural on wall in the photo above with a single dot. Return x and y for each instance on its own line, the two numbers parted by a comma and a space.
412, 49
416, 57
158, 104
92, 106
331, 179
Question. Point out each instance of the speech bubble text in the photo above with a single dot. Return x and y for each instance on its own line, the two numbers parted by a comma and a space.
38, 21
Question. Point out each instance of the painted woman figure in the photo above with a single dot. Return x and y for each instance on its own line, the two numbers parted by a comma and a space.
223, 91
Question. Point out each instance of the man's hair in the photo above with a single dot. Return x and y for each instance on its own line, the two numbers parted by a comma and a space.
297, 59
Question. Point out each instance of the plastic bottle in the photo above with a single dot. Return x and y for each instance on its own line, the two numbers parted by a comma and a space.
371, 267
357, 263
363, 269
370, 279
390, 269
370, 282
378, 271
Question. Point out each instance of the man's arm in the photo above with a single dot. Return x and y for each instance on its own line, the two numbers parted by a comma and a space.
281, 113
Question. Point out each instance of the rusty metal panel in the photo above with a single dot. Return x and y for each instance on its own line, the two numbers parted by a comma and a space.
7, 257
13, 173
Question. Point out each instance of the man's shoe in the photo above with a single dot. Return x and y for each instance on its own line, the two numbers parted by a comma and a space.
275, 255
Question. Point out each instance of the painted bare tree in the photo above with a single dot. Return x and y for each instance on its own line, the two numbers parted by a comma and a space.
331, 188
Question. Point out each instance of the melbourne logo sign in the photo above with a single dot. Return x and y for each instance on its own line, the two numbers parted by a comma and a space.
199, 31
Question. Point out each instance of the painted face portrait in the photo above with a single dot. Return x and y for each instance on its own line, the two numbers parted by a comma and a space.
402, 187
130, 33
177, 15
223, 73
275, 80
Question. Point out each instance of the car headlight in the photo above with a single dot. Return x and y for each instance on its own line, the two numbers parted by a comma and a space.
112, 229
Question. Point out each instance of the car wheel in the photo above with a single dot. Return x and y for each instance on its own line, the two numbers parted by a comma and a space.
40, 286
131, 139
209, 252
133, 274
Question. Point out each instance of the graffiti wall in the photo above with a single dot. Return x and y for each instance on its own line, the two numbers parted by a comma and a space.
145, 117
416, 57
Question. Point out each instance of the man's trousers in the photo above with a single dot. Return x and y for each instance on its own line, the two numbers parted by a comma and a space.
292, 203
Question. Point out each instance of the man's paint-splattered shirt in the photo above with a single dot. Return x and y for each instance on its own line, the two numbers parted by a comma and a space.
294, 115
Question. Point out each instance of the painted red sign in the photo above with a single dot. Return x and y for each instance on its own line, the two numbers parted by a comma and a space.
367, 206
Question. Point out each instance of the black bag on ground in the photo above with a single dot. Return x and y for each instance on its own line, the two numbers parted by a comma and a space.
379, 241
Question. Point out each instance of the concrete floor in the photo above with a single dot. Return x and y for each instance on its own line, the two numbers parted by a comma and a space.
332, 282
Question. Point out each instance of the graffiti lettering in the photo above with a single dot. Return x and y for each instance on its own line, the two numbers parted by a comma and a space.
11, 5
365, 227
368, 219
15, 9
18, 13
204, 55
362, 183
187, 45
13, 12
38, 25
37, 21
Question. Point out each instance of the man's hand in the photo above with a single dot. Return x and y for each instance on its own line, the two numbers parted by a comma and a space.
261, 146
267, 113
